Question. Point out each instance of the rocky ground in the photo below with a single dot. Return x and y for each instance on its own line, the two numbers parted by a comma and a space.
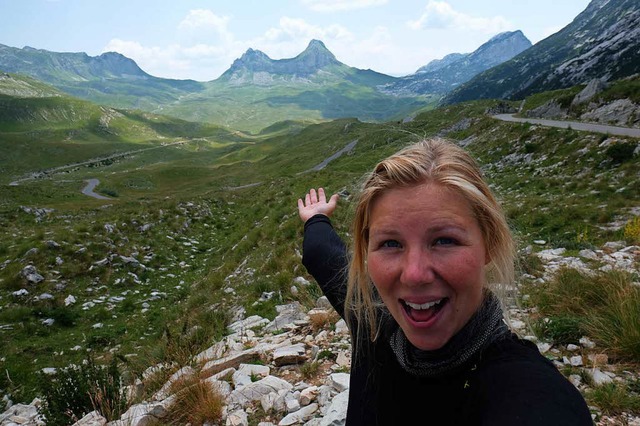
295, 369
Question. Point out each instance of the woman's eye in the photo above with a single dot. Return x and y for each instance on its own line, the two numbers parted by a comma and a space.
445, 241
391, 244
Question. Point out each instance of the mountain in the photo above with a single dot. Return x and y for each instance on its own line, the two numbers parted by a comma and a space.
602, 42
110, 78
437, 64
441, 76
316, 64
257, 91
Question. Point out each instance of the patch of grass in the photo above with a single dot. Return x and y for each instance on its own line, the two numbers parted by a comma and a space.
604, 306
75, 391
196, 402
309, 370
614, 398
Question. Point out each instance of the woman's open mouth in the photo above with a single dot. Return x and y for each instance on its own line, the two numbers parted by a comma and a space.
423, 312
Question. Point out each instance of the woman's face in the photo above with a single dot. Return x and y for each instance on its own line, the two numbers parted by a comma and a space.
426, 257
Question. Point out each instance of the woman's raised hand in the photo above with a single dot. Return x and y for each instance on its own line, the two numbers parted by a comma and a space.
316, 203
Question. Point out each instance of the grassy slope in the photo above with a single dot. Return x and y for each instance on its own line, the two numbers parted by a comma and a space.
206, 237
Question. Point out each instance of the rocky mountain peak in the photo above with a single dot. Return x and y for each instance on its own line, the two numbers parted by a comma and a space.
315, 57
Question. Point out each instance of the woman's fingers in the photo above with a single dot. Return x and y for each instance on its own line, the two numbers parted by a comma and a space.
314, 196
321, 195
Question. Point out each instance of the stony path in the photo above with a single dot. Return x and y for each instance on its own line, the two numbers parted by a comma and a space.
575, 125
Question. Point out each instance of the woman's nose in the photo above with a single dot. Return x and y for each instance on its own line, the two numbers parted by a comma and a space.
417, 268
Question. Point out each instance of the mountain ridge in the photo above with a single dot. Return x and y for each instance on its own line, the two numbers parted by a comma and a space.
603, 41
457, 68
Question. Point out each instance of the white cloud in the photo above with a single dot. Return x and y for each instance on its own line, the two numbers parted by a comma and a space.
202, 23
440, 15
341, 5
291, 28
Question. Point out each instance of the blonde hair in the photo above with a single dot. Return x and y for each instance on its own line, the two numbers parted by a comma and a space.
429, 161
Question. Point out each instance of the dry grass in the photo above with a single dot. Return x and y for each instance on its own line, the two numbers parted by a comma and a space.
196, 402
322, 320
605, 306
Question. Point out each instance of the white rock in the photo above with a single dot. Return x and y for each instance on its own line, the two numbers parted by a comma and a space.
598, 377
539, 242
302, 415
343, 359
254, 369
48, 321
341, 327
308, 395
337, 412
575, 380
20, 293
543, 347
339, 381
69, 300
237, 418
301, 281
256, 390
586, 342
517, 324
94, 418
294, 291
251, 322
576, 361
323, 303
221, 387
588, 254
146, 413
291, 403
572, 348
293, 354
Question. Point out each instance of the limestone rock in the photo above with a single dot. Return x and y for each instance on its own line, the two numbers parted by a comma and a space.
339, 381
255, 391
598, 377
31, 274
237, 418
251, 322
293, 354
92, 419
288, 315
337, 412
302, 415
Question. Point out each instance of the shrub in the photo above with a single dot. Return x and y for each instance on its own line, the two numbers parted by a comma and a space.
632, 230
75, 391
620, 152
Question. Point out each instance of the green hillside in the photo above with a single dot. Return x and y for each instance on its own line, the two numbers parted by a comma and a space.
219, 212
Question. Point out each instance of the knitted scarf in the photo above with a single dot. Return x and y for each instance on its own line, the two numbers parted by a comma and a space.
484, 327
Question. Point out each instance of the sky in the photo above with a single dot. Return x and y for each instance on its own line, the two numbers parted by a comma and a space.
200, 39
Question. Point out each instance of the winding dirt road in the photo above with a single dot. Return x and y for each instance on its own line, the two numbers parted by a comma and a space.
91, 185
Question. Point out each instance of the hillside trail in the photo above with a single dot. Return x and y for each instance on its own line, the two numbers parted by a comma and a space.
575, 125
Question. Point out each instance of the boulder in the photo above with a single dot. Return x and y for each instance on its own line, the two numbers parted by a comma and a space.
237, 418
251, 322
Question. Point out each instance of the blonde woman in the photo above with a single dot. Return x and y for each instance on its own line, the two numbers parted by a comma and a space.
431, 249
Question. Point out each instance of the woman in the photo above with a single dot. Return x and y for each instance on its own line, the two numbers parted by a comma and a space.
431, 249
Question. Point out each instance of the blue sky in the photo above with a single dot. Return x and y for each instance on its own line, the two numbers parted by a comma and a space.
199, 39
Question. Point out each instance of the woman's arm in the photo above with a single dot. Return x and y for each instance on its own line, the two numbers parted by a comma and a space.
324, 253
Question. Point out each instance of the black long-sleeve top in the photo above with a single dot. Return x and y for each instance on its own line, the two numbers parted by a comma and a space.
509, 383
